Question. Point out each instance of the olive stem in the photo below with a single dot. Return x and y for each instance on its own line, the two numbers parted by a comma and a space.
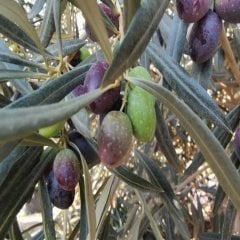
230, 56
124, 96
188, 180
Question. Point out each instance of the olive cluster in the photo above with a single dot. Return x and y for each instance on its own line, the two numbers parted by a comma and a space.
65, 172
120, 120
206, 31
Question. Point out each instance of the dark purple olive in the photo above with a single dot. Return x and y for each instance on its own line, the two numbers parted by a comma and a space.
192, 10
237, 141
59, 197
66, 169
115, 139
84, 147
93, 80
113, 17
205, 37
78, 91
228, 10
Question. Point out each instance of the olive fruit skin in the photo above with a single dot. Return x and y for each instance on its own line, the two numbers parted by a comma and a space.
84, 53
228, 10
84, 147
59, 197
237, 141
113, 17
66, 169
192, 10
78, 91
115, 139
205, 37
52, 131
140, 108
93, 80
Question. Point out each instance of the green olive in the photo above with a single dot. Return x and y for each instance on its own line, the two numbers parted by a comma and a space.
84, 53
140, 108
53, 130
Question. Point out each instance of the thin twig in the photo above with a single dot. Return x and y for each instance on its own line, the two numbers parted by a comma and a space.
182, 185
230, 56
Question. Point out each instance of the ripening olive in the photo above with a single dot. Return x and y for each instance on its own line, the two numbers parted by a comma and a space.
115, 139
113, 17
66, 169
192, 10
205, 37
59, 197
228, 10
93, 80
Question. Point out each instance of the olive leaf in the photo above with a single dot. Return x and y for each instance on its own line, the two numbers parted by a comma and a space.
210, 147
20, 122
186, 87
90, 9
132, 45
19, 173
15, 13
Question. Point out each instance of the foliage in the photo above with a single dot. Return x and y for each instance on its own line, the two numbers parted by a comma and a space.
181, 184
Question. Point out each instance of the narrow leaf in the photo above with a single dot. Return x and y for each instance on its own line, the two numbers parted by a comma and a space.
22, 175
177, 38
90, 205
48, 223
210, 147
36, 8
54, 90
90, 9
14, 59
14, 12
6, 148
130, 8
13, 74
20, 122
132, 45
202, 73
228, 222
185, 86
104, 202
152, 221
36, 139
12, 31
168, 197
58, 25
47, 27
222, 135
135, 181
165, 141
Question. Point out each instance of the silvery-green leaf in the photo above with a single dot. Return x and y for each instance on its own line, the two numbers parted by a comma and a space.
36, 8
54, 90
20, 122
210, 147
185, 86
132, 45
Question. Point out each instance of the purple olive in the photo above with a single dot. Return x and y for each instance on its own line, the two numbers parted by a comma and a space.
66, 169
228, 10
205, 37
192, 10
113, 17
115, 139
59, 197
93, 80
78, 91
84, 147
